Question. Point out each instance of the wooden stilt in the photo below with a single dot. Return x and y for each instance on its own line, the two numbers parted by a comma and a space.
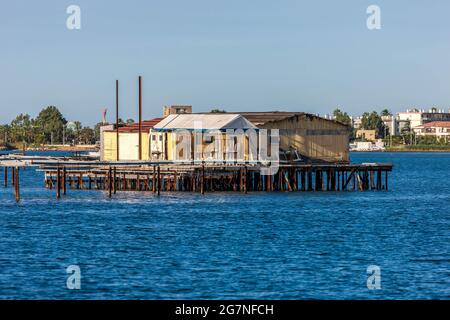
16, 185
159, 180
202, 186
245, 179
64, 181
110, 184
114, 180
154, 180
58, 183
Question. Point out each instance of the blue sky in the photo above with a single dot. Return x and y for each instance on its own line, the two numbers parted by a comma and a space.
236, 55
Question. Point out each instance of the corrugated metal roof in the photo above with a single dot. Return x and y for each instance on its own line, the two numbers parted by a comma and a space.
134, 127
208, 121
261, 118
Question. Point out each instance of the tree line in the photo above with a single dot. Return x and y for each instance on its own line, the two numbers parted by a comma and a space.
374, 121
369, 121
49, 127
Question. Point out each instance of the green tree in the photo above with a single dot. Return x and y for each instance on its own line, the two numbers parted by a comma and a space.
97, 130
5, 134
77, 127
372, 121
51, 122
130, 121
385, 113
406, 129
217, 111
86, 136
21, 129
406, 132
342, 117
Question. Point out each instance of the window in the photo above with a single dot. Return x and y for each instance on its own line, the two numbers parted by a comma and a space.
153, 137
160, 138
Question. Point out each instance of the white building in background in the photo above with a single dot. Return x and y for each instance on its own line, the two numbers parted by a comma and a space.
415, 117
356, 122
368, 146
438, 129
391, 125
418, 117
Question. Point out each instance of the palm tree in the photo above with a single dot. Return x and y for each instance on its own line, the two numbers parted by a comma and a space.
385, 113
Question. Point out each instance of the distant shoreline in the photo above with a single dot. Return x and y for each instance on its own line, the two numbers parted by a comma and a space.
56, 148
404, 150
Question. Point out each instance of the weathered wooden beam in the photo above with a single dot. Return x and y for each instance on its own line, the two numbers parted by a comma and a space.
110, 184
352, 172
159, 180
202, 185
64, 181
58, 183
16, 185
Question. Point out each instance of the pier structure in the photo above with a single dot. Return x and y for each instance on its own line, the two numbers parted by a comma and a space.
160, 177
111, 177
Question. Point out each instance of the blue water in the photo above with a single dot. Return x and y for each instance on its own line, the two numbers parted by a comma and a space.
229, 245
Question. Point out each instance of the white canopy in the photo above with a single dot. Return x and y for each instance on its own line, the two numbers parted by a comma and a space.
209, 121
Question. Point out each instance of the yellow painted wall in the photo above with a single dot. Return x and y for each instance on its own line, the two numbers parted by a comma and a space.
171, 146
128, 142
109, 143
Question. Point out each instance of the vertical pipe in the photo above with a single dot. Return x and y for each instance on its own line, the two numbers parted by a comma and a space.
64, 180
386, 182
245, 178
13, 176
154, 180
303, 179
159, 180
115, 180
109, 182
58, 183
16, 184
140, 118
202, 187
117, 120
310, 180
6, 177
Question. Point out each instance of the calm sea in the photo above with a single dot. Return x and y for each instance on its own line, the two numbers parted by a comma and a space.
229, 245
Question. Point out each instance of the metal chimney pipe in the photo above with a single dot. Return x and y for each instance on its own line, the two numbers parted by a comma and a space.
140, 118
117, 120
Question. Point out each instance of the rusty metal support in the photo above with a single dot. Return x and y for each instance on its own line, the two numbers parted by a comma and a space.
6, 177
114, 180
58, 183
117, 120
202, 186
64, 181
110, 184
159, 180
16, 184
140, 118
